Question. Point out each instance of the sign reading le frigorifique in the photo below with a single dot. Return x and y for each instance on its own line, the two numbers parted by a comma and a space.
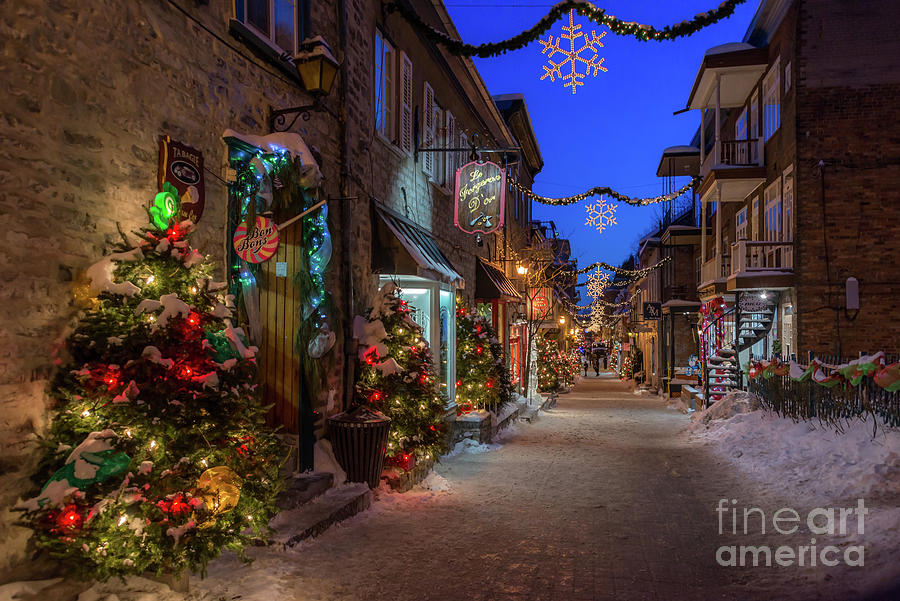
480, 197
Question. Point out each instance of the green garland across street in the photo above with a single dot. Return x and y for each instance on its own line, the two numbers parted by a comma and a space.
639, 31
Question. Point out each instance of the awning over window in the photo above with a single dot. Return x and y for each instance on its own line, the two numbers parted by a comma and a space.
404, 248
490, 282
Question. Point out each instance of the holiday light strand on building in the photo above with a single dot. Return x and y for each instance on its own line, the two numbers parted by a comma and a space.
639, 31
621, 271
596, 191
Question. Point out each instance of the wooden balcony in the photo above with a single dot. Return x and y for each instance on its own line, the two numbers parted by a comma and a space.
713, 276
757, 264
731, 154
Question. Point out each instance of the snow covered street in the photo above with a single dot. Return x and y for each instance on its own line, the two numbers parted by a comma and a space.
606, 496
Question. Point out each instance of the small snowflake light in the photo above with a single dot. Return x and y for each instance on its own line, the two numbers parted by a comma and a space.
573, 78
601, 215
597, 281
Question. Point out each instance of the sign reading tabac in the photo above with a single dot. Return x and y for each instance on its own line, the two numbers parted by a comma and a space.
480, 197
182, 166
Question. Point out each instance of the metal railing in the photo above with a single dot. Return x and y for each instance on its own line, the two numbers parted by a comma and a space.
832, 406
734, 153
756, 255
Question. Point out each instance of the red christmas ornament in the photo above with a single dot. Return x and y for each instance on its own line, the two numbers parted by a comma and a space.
185, 372
490, 384
479, 350
458, 383
371, 356
70, 519
375, 396
175, 506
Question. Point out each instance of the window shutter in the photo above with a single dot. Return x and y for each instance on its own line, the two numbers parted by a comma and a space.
450, 142
406, 102
428, 127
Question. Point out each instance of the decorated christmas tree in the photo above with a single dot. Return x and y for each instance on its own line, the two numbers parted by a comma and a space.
397, 378
483, 379
549, 364
157, 457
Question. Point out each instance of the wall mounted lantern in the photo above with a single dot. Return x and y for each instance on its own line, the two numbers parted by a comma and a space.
318, 70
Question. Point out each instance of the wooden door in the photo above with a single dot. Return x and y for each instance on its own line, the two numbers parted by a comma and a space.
279, 306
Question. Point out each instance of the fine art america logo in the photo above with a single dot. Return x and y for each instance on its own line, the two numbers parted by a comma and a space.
821, 522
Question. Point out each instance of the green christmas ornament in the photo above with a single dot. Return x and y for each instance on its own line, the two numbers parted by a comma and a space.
165, 206
108, 463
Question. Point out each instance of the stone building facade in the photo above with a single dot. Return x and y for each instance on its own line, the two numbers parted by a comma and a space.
92, 87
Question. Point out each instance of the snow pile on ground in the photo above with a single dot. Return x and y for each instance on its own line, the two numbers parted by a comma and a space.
472, 446
678, 404
325, 462
808, 456
734, 403
436, 482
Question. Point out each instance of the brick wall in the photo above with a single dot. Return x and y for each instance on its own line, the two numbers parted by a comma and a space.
848, 90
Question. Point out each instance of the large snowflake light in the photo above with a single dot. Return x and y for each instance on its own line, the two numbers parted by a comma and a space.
601, 215
572, 56
597, 281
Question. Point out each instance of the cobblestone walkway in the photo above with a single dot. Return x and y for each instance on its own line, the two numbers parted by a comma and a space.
602, 498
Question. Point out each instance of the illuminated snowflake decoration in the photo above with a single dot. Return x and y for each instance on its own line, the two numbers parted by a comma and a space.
572, 57
601, 215
597, 284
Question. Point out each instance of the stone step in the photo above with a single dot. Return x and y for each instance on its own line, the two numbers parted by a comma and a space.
303, 488
312, 519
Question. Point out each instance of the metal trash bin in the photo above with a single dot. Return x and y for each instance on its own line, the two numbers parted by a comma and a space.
358, 438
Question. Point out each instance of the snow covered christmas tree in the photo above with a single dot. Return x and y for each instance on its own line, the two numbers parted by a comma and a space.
158, 457
549, 364
397, 377
483, 380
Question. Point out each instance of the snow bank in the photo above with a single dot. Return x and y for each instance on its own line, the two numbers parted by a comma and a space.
733, 403
436, 482
813, 459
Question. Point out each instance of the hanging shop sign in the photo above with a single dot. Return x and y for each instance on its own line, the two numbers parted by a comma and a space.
480, 197
652, 310
752, 303
259, 243
539, 303
182, 166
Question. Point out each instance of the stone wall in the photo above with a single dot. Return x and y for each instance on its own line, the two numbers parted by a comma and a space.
89, 89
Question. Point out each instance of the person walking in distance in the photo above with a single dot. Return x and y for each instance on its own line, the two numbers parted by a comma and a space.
595, 359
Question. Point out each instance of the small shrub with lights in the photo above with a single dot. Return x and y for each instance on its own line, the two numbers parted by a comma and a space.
158, 457
397, 377
483, 379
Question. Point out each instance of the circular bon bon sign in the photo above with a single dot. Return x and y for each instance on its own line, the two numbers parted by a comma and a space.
259, 244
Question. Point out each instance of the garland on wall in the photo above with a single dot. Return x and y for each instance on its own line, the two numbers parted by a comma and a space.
639, 31
598, 190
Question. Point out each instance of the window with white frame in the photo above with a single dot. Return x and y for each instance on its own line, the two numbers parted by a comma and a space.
773, 220
281, 22
754, 219
788, 192
385, 97
740, 126
787, 77
740, 225
428, 126
772, 100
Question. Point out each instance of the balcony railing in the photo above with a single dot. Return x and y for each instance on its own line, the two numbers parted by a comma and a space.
714, 269
761, 256
733, 153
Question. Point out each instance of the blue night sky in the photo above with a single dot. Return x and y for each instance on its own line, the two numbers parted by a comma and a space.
614, 129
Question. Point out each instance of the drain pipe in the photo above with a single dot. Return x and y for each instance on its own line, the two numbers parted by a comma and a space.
346, 215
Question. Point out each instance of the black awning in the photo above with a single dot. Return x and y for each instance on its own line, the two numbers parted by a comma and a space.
490, 282
422, 256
